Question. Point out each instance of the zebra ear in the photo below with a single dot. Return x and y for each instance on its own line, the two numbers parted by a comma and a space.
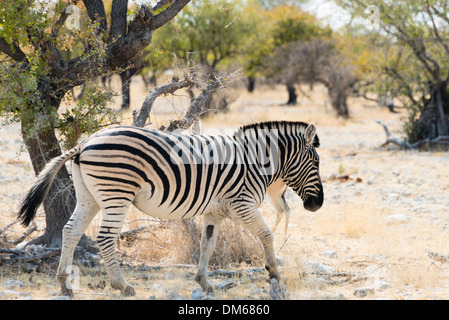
310, 134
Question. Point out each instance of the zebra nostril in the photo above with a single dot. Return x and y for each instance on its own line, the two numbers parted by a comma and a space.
311, 204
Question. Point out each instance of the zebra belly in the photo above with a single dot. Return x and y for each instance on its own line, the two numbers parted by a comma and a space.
150, 205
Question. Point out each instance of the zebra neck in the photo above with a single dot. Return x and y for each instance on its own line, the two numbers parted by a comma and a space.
264, 152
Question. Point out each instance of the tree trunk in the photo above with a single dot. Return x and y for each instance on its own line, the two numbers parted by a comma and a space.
432, 121
251, 84
125, 77
339, 101
60, 202
292, 97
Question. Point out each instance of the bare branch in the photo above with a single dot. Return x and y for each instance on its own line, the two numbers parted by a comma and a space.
23, 236
49, 252
435, 30
139, 120
197, 107
172, 9
418, 48
8, 226
442, 15
441, 140
390, 139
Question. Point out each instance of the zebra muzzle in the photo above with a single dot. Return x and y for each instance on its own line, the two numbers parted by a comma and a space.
313, 203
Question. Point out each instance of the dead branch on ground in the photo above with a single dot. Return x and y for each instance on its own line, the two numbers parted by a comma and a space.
7, 243
438, 257
404, 144
18, 255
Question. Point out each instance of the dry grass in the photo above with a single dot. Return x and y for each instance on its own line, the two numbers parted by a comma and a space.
355, 219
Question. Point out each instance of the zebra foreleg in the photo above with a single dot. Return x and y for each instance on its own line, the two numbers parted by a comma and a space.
257, 226
208, 242
254, 222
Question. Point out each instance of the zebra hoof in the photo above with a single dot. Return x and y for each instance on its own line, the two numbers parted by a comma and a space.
128, 291
208, 289
65, 291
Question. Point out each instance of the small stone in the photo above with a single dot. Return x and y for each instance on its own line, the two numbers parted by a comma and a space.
197, 294
277, 290
363, 292
255, 292
377, 257
157, 287
398, 218
317, 283
329, 253
172, 294
340, 296
318, 268
381, 285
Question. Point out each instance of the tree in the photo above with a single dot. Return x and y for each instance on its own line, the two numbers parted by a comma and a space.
290, 25
208, 33
411, 39
38, 77
313, 61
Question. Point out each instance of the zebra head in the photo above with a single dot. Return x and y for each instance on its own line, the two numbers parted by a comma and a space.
302, 171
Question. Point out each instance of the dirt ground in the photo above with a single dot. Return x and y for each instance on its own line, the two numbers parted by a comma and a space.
373, 238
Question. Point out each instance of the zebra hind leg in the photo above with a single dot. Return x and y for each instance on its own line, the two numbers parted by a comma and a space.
111, 225
208, 241
85, 211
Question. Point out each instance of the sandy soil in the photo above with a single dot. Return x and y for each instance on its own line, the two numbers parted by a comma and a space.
370, 240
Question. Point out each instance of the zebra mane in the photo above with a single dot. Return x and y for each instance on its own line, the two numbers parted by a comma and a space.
280, 125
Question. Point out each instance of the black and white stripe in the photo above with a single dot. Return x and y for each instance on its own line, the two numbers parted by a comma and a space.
176, 176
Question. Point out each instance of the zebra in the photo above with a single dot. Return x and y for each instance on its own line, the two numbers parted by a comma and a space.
177, 176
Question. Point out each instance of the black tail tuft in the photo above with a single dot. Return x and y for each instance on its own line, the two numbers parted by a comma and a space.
39, 190
34, 199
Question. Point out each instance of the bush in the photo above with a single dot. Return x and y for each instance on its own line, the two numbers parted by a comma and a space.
235, 244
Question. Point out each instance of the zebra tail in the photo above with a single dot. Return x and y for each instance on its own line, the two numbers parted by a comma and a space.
40, 188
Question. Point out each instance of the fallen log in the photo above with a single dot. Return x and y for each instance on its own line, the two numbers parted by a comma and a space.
440, 141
